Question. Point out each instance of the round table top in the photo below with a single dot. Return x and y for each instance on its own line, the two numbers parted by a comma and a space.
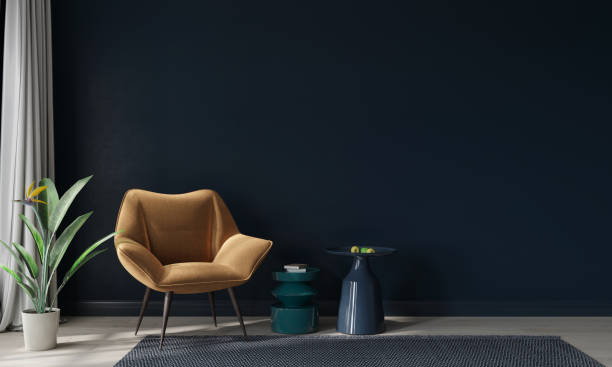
346, 251
286, 276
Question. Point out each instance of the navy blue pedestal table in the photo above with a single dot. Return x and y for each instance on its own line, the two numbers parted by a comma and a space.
360, 311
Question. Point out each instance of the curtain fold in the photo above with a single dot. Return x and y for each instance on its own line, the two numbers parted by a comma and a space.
26, 135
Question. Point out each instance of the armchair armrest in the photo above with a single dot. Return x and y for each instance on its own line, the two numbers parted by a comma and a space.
139, 262
243, 254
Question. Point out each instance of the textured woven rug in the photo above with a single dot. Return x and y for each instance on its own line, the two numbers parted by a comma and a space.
357, 351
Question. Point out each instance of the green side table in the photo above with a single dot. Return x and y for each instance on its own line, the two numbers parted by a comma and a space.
295, 313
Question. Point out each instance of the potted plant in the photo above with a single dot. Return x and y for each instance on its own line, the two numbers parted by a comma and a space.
40, 323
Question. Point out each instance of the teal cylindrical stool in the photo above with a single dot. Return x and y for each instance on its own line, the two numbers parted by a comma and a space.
295, 313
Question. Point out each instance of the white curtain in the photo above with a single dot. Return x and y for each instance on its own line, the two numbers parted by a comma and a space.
26, 147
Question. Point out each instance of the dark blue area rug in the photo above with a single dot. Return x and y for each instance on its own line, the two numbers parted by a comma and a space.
357, 351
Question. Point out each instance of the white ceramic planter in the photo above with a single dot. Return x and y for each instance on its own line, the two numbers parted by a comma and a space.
40, 329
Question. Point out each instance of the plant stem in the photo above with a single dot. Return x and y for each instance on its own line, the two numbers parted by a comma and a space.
42, 300
42, 293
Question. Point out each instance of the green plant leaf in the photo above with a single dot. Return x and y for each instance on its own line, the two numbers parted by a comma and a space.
92, 248
10, 271
78, 264
63, 241
17, 278
35, 234
85, 257
31, 282
29, 260
16, 256
51, 197
58, 213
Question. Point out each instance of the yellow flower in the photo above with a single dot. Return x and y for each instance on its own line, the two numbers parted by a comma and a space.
31, 194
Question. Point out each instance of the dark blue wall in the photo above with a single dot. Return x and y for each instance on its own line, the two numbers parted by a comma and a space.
473, 137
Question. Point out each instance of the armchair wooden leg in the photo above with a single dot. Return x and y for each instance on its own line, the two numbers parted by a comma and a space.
145, 302
167, 302
211, 299
237, 309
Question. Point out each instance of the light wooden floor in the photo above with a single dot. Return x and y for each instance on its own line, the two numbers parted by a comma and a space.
102, 341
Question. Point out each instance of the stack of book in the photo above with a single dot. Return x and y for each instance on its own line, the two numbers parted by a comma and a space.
296, 268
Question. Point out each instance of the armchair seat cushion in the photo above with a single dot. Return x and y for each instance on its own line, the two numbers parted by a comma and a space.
197, 277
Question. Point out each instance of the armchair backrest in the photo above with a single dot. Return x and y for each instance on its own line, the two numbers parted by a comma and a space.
176, 228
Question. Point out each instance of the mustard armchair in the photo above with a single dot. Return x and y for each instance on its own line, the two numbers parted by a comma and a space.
185, 243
